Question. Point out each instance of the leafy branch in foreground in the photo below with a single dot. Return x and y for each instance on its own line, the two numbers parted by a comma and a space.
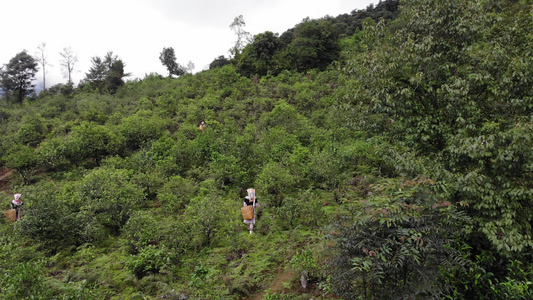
397, 242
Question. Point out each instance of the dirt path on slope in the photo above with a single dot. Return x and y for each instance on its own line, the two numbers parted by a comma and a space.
282, 276
4, 180
5, 184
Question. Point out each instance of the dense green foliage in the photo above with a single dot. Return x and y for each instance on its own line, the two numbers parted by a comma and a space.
168, 59
309, 45
106, 74
390, 152
16, 77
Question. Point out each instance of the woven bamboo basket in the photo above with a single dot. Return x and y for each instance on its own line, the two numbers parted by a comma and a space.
11, 215
247, 212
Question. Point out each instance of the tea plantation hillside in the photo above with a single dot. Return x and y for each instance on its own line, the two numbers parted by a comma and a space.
400, 167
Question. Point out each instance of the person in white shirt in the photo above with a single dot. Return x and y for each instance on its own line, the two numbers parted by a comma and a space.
16, 204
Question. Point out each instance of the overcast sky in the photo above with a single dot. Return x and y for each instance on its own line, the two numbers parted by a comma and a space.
137, 30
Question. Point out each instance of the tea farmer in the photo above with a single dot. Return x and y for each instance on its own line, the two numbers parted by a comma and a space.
16, 204
247, 202
202, 125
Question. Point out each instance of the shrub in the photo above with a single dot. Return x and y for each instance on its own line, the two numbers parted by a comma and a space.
150, 259
109, 195
303, 210
141, 230
76, 291
47, 220
30, 134
24, 159
52, 217
141, 128
95, 108
89, 141
24, 281
52, 155
286, 116
176, 193
276, 181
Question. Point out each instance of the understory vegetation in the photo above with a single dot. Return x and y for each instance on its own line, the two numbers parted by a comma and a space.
399, 168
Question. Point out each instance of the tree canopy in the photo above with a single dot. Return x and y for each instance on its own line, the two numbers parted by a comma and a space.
106, 74
168, 59
16, 77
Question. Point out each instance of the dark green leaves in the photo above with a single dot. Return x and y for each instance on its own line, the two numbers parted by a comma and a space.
168, 59
16, 77
395, 243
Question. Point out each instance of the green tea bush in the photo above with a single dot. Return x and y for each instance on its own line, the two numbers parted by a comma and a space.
169, 156
149, 182
206, 218
301, 211
30, 134
52, 155
150, 259
176, 194
226, 170
286, 116
141, 230
287, 215
204, 147
95, 108
200, 275
277, 182
482, 279
53, 217
48, 220
76, 291
110, 196
277, 144
25, 281
304, 260
22, 158
141, 128
91, 142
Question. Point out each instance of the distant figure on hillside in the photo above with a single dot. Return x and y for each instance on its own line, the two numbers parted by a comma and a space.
16, 204
250, 201
202, 125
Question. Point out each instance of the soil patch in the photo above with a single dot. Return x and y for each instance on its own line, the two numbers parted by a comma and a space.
282, 276
4, 180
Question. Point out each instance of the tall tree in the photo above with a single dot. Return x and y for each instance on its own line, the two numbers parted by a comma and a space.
168, 59
41, 58
115, 75
313, 45
16, 78
219, 62
106, 74
97, 73
243, 36
68, 61
258, 56
190, 67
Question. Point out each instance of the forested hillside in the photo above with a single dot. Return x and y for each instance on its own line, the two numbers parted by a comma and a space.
391, 150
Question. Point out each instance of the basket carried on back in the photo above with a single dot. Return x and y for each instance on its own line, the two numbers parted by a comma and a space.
11, 215
247, 212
